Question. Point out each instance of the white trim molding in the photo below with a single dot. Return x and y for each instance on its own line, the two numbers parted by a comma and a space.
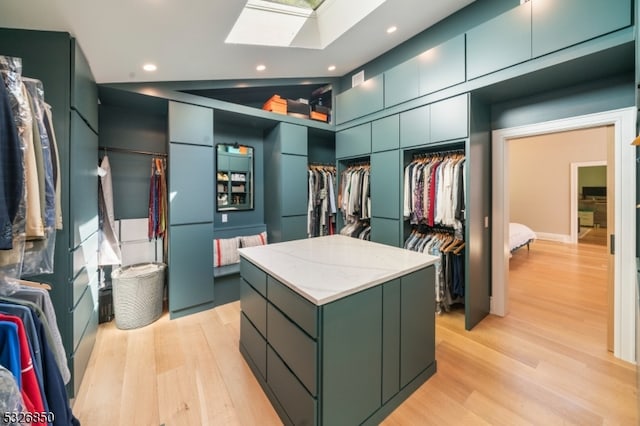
624, 122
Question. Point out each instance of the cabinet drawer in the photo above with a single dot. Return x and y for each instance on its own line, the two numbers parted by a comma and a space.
297, 349
254, 306
300, 407
254, 344
254, 276
300, 310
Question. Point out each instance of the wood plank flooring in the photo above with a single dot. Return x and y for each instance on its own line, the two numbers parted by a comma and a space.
544, 364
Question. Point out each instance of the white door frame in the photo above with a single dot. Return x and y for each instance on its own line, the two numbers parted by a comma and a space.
624, 122
574, 195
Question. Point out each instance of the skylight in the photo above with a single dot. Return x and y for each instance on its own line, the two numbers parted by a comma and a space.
304, 4
297, 23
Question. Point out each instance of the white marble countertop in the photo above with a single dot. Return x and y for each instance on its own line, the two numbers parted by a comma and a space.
328, 268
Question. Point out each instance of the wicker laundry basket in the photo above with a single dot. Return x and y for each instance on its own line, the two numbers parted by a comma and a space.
137, 294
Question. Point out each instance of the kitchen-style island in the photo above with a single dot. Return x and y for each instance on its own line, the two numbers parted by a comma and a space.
338, 331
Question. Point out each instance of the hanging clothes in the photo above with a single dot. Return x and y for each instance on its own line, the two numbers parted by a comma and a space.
109, 246
321, 206
30, 313
157, 224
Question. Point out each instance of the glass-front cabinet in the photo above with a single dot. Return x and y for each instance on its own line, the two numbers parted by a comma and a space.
234, 177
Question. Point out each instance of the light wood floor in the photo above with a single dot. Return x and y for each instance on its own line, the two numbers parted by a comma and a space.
543, 364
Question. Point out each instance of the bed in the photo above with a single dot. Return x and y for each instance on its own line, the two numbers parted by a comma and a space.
519, 236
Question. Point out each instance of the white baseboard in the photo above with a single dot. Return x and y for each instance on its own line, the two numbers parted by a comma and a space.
561, 238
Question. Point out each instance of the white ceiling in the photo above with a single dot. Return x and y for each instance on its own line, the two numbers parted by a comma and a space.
186, 38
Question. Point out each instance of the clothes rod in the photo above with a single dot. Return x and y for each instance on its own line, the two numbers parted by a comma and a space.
132, 151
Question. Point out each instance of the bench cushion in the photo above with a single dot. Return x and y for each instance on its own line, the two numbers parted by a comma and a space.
254, 240
225, 251
226, 270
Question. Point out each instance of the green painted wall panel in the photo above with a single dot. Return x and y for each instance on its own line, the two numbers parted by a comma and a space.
190, 124
450, 119
385, 184
191, 266
352, 357
354, 141
293, 139
414, 126
402, 83
192, 195
385, 133
361, 100
84, 92
386, 231
500, 42
417, 323
390, 339
443, 66
560, 24
294, 185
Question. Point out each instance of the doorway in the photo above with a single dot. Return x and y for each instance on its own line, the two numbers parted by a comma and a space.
624, 293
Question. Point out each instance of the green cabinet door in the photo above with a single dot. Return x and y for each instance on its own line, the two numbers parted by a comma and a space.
191, 184
191, 266
385, 184
386, 231
351, 358
450, 119
364, 99
500, 42
402, 83
417, 323
294, 185
385, 133
442, 66
390, 339
414, 126
190, 124
293, 139
559, 24
354, 141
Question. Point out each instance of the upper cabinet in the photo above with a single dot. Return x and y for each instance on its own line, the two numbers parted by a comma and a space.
190, 124
402, 83
559, 24
500, 42
365, 98
354, 141
449, 119
442, 66
84, 91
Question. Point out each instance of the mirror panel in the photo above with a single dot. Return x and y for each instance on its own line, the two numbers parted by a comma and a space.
234, 177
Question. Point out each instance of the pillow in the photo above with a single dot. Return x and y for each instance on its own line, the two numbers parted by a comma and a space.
254, 240
225, 251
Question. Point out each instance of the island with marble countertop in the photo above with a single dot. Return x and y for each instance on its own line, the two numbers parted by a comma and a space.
337, 330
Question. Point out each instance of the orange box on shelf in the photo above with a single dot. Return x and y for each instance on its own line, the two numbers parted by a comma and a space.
276, 104
315, 115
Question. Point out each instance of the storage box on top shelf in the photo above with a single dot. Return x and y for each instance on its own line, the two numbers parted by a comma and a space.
298, 108
276, 104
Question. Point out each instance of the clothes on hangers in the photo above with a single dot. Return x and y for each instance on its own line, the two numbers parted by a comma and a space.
10, 397
33, 308
321, 206
354, 197
449, 289
434, 191
157, 199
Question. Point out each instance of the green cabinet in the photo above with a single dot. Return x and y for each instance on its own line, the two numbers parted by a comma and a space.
364, 99
442, 66
386, 231
402, 83
500, 42
559, 24
190, 124
450, 119
414, 126
385, 133
349, 361
385, 184
354, 141
190, 182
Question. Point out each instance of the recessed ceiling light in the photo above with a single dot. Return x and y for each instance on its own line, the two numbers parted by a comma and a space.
332, 68
149, 67
392, 29
261, 67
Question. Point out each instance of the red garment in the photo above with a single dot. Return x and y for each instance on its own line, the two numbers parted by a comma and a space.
31, 392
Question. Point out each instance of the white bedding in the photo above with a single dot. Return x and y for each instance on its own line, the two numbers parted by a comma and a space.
519, 235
